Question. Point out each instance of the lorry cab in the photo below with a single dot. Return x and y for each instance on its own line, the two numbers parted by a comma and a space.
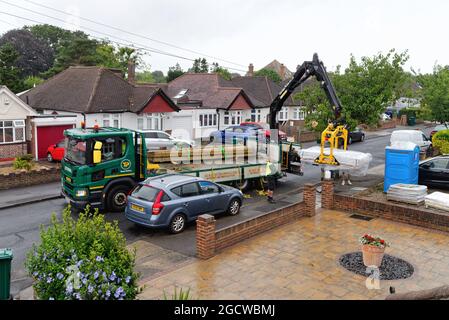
101, 166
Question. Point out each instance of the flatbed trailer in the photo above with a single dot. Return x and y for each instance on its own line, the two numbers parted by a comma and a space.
101, 166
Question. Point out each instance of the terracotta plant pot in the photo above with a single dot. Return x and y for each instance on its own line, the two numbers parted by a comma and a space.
372, 255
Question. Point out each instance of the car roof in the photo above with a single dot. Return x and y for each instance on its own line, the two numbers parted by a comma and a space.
170, 180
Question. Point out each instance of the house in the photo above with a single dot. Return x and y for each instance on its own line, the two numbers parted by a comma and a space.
276, 66
15, 125
97, 95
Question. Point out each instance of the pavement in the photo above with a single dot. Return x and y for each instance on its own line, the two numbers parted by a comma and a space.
301, 261
21, 196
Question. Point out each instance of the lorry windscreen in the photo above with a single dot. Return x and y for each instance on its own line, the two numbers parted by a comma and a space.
75, 150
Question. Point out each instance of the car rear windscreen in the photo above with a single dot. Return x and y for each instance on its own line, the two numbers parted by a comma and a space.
145, 192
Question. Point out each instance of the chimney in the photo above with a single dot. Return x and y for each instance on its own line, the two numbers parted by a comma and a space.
250, 72
282, 71
131, 72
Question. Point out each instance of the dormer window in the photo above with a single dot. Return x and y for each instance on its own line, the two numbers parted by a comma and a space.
181, 94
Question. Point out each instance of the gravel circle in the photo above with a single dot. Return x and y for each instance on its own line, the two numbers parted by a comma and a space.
392, 268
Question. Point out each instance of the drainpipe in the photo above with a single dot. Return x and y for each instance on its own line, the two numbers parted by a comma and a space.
218, 118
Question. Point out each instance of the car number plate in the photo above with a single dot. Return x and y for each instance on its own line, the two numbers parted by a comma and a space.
137, 208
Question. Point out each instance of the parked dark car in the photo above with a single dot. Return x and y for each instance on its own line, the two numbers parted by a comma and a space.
439, 127
235, 133
435, 172
172, 200
356, 135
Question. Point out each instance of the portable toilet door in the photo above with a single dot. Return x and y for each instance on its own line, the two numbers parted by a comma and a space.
401, 164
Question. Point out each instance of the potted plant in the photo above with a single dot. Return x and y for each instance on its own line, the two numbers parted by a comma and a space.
373, 249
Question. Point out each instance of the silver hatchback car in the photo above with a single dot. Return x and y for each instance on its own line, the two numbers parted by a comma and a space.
172, 200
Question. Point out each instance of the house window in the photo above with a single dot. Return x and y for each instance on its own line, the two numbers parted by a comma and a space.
149, 121
283, 114
298, 114
111, 120
226, 118
208, 120
12, 131
256, 115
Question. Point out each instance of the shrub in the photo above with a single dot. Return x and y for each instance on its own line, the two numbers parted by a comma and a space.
85, 259
178, 295
440, 140
24, 162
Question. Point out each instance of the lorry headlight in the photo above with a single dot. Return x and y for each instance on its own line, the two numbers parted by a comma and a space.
81, 193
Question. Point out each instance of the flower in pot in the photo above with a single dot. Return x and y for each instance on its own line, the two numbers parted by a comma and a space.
373, 248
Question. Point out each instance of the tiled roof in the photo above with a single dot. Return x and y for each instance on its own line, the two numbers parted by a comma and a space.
91, 90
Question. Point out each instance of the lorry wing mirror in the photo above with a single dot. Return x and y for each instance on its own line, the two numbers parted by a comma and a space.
97, 152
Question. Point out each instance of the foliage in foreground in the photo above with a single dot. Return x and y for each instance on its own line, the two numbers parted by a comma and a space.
178, 295
84, 259
24, 162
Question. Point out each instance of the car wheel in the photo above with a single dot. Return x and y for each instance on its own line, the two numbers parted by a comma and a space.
49, 157
116, 199
177, 224
234, 207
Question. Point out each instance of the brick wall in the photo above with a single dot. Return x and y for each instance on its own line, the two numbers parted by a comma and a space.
327, 194
9, 151
209, 240
308, 136
393, 211
24, 178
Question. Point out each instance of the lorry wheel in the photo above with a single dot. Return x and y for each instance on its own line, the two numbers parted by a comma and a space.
234, 207
116, 198
177, 224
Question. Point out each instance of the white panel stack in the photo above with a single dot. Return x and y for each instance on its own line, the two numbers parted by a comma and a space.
438, 200
357, 163
408, 193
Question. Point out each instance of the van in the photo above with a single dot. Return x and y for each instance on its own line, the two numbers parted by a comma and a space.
414, 136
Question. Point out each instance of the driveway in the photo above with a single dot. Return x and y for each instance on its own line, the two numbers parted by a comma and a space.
301, 261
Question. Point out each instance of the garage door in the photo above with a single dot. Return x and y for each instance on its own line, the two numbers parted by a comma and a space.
182, 127
47, 136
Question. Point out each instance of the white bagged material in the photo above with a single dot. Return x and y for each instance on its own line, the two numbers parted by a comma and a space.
356, 163
438, 200
408, 193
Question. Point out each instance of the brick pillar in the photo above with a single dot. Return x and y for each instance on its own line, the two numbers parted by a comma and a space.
310, 199
327, 194
205, 236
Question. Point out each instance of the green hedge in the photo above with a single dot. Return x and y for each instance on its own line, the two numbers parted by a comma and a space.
441, 141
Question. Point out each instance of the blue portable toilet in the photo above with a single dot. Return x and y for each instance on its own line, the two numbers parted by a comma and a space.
401, 164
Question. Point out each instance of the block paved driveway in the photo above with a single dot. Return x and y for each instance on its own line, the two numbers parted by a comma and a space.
300, 261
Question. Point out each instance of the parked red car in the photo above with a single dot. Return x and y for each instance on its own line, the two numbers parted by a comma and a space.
266, 127
55, 152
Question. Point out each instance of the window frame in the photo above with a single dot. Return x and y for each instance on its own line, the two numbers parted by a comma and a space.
14, 126
207, 120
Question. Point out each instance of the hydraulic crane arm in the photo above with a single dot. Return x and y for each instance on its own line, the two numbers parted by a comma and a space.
304, 72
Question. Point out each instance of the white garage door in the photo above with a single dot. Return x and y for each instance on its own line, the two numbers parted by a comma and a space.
182, 127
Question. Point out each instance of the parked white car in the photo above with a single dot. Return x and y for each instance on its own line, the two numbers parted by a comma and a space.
156, 140
415, 136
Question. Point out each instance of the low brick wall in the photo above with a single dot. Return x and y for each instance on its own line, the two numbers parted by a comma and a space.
308, 136
25, 179
209, 240
392, 211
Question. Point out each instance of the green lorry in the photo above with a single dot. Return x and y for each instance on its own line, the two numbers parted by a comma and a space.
101, 165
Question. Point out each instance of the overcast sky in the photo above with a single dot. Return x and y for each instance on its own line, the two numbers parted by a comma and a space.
258, 31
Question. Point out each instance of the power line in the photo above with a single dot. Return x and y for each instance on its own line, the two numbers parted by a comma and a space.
154, 50
133, 33
9, 23
128, 43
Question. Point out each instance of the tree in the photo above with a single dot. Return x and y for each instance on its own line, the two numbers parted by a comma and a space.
145, 77
223, 72
9, 72
368, 87
271, 74
54, 36
435, 92
174, 72
200, 65
158, 76
35, 55
31, 82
